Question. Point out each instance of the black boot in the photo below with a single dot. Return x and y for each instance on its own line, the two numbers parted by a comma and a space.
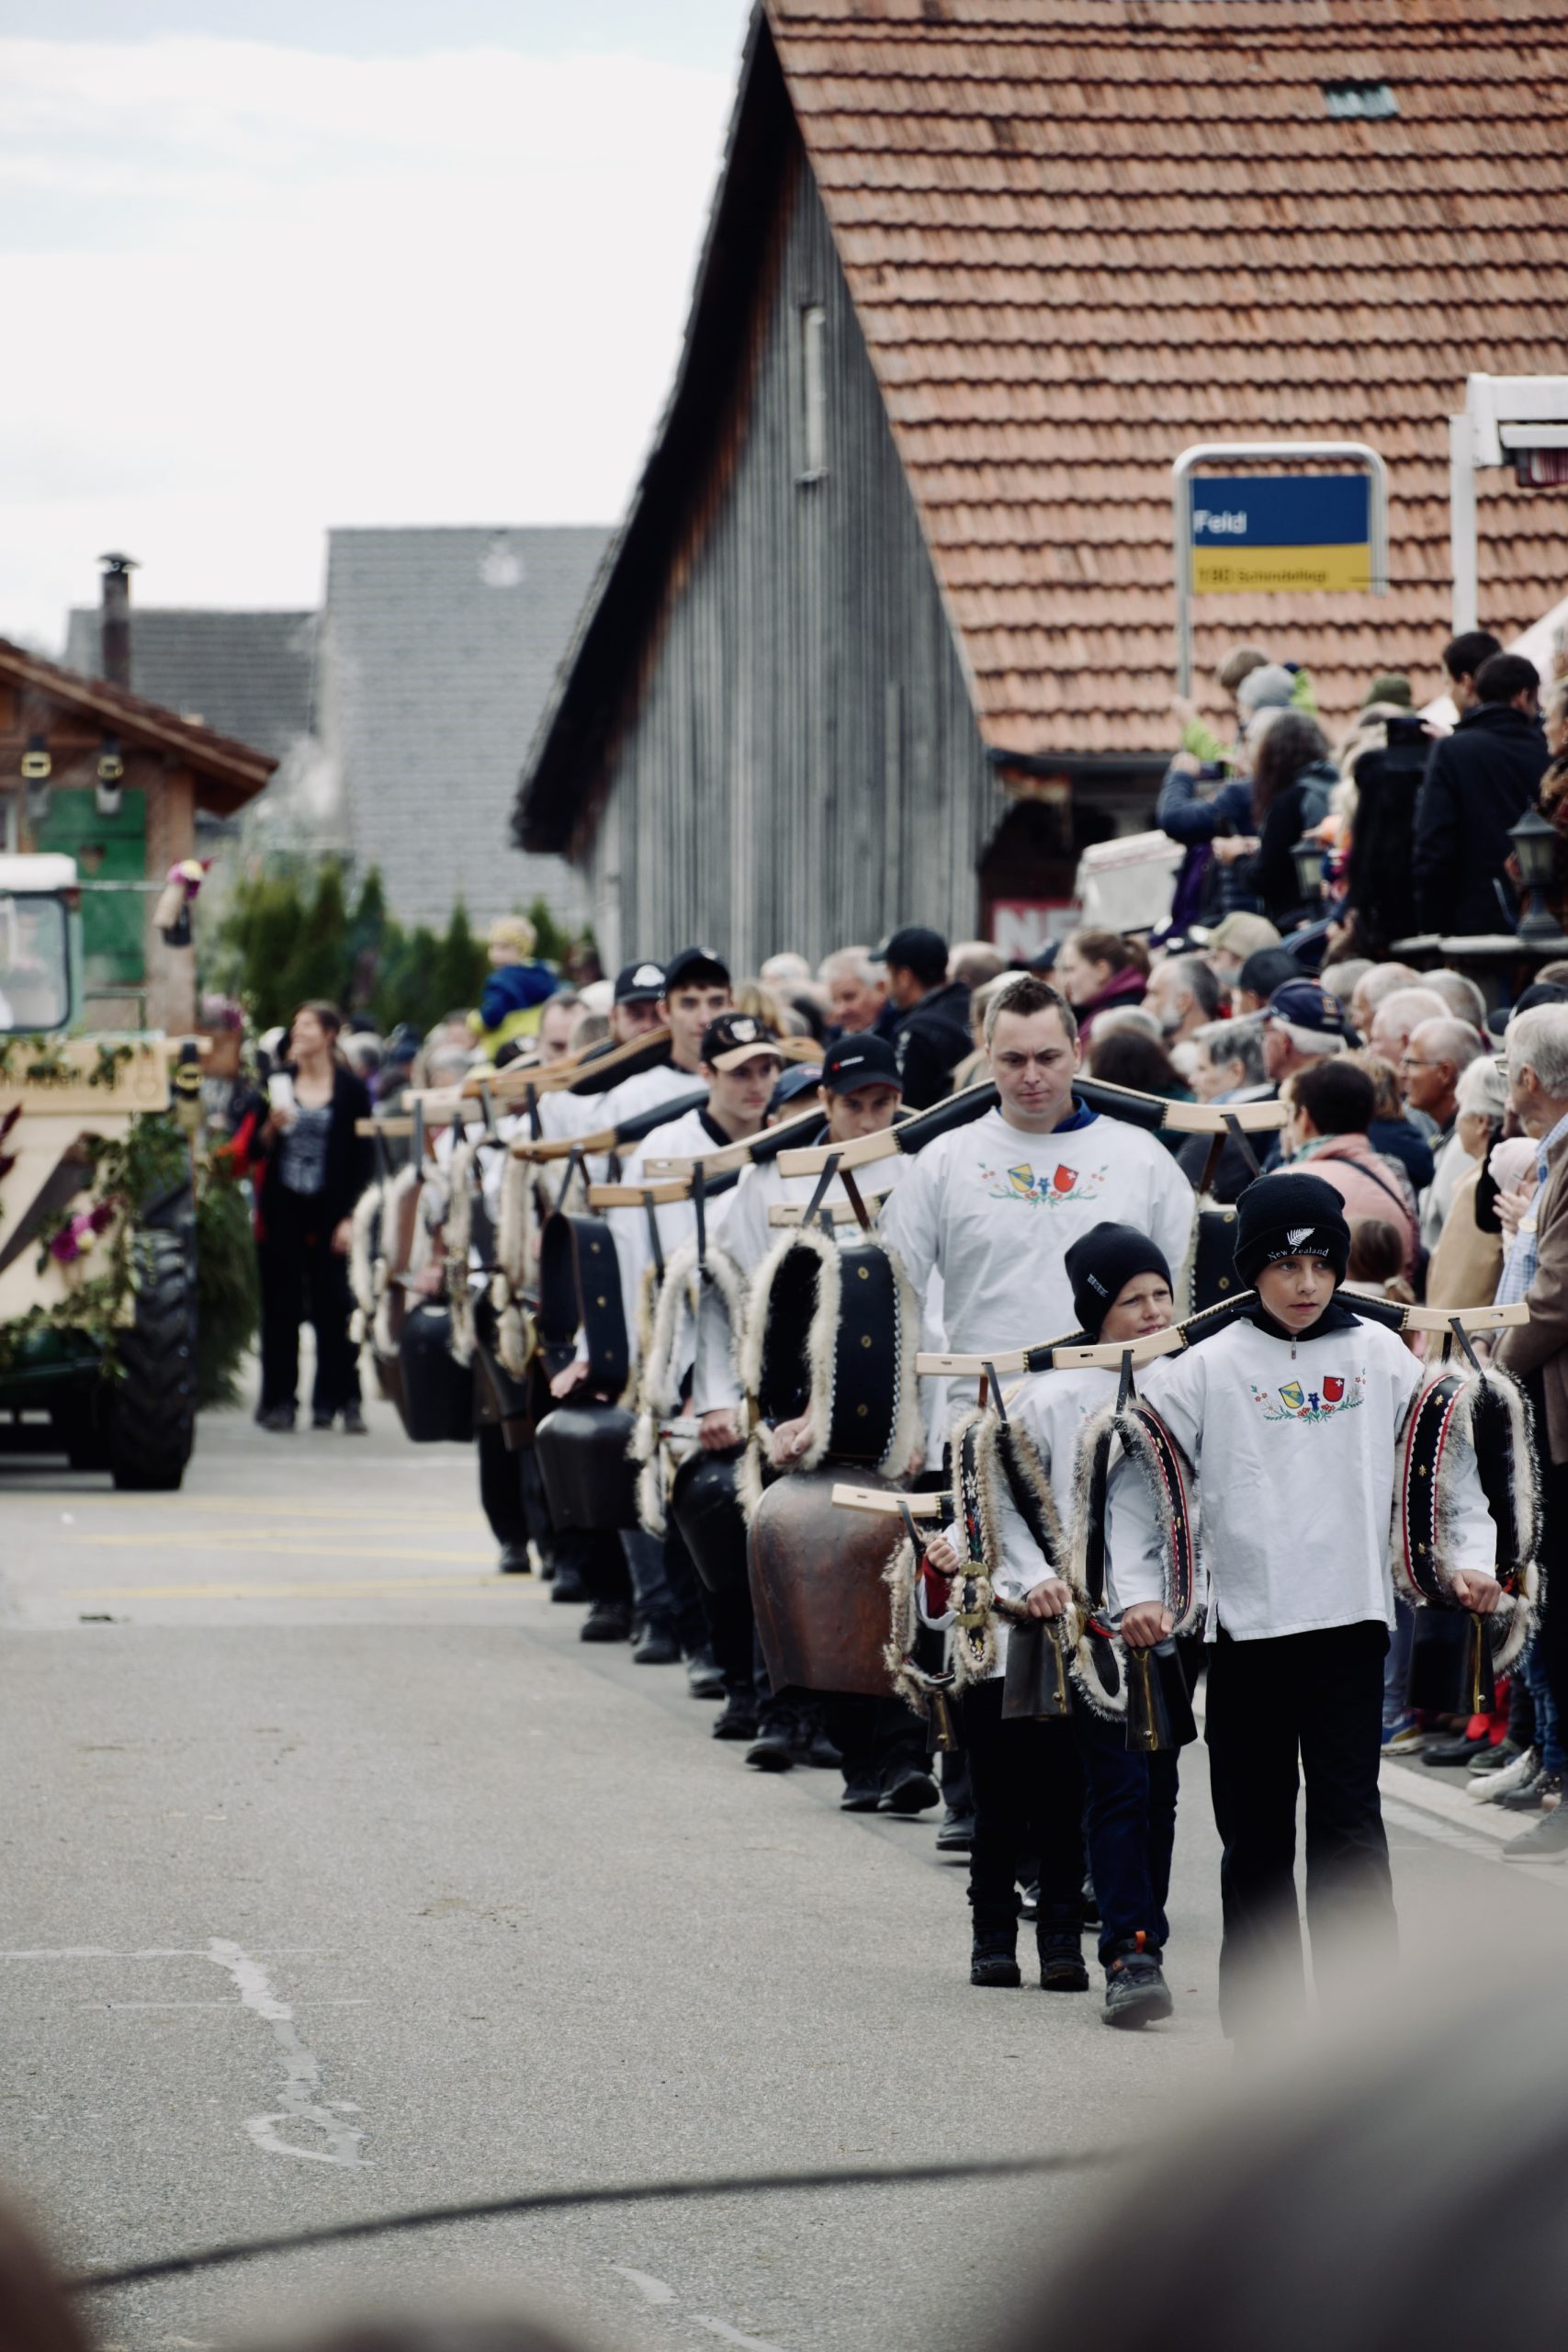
993, 1957
566, 1583
1058, 1939
1135, 1989
737, 1719
515, 1560
772, 1750
607, 1621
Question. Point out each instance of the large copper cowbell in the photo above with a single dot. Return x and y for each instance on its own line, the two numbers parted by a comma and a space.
822, 1609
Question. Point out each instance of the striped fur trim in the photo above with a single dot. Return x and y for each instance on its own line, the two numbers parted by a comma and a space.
1519, 1564
664, 1356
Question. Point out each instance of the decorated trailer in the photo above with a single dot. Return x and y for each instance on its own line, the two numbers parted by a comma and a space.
98, 1237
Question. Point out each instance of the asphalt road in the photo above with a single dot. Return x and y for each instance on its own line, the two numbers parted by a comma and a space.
339, 1877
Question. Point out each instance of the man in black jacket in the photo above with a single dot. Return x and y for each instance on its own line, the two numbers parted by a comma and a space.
930, 1036
1480, 780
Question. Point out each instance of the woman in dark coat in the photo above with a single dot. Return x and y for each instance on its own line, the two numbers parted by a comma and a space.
1292, 780
314, 1169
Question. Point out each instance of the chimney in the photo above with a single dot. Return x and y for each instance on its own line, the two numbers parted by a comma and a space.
115, 643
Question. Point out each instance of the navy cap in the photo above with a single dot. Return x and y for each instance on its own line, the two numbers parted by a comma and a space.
1307, 1004
693, 965
639, 983
860, 1059
737, 1037
916, 949
799, 1079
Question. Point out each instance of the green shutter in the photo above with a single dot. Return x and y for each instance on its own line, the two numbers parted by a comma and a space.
107, 849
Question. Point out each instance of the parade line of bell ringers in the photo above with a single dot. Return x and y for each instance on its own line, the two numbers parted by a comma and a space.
971, 1434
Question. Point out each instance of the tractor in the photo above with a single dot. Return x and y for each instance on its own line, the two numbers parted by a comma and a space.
97, 1227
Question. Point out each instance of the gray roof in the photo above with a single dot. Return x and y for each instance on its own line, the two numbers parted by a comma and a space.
439, 652
247, 674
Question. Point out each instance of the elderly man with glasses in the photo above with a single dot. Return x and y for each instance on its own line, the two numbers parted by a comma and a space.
1428, 1070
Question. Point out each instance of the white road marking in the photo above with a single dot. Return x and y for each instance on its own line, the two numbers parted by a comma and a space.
213, 2005
652, 2290
733, 2336
302, 2080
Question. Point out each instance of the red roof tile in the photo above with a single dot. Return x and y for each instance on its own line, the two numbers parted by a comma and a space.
1081, 235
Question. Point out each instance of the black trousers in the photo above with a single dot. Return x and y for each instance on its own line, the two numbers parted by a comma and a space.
1028, 1787
302, 1273
501, 1483
880, 1739
1307, 1705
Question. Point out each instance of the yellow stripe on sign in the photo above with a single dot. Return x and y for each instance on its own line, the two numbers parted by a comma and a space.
282, 1547
1279, 572
353, 1587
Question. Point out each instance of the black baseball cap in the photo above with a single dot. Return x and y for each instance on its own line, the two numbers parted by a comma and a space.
860, 1059
693, 966
916, 949
639, 983
737, 1037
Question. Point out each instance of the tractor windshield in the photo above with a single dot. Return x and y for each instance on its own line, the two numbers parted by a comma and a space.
35, 965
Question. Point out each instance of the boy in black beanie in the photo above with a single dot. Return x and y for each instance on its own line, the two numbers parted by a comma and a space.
1034, 1782
1292, 1415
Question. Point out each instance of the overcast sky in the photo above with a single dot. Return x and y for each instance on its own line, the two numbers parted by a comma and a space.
268, 269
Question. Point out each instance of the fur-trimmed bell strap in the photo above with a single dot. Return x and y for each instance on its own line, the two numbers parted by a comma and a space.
1481, 1415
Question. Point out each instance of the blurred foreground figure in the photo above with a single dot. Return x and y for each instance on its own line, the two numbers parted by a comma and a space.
36, 2314
434, 2331
1342, 2208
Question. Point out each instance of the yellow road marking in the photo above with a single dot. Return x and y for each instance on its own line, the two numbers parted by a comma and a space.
359, 1514
388, 1586
285, 1547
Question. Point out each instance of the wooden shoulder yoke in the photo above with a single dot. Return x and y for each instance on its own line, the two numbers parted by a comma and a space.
892, 1505
1106, 1357
636, 1197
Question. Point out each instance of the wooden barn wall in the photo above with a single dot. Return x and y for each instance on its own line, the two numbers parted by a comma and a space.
801, 766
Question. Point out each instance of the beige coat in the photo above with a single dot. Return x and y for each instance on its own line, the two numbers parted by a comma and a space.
1541, 1344
1466, 1265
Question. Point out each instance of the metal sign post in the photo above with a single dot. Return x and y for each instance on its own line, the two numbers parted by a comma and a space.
1298, 507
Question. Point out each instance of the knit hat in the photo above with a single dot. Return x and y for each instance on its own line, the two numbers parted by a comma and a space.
1390, 686
1103, 1263
1288, 1215
1270, 688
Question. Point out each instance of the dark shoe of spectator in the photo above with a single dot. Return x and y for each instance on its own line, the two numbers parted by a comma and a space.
320, 1420
1496, 1759
1545, 1841
911, 1790
279, 1418
1527, 1799
1061, 1961
771, 1751
737, 1719
354, 1421
863, 1793
607, 1621
1464, 1750
704, 1680
1030, 1891
655, 1646
515, 1560
568, 1584
993, 1957
1135, 1989
954, 1832
1091, 1903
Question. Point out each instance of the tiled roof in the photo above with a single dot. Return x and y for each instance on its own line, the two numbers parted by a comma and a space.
247, 674
1082, 234
226, 773
440, 647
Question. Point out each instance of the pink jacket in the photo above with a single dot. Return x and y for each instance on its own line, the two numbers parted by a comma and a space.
1369, 1185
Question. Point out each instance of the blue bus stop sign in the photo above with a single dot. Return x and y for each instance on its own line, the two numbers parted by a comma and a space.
1280, 534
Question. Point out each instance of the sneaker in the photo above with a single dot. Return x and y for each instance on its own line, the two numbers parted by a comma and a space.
1464, 1750
1091, 1903
863, 1793
656, 1645
354, 1424
704, 1680
737, 1719
1497, 1758
954, 1832
515, 1560
1135, 1990
1490, 1788
1406, 1738
771, 1751
912, 1789
279, 1418
1030, 1899
1545, 1841
1527, 1796
1061, 1963
607, 1621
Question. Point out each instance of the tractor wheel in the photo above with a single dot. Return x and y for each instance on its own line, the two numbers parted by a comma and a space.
152, 1403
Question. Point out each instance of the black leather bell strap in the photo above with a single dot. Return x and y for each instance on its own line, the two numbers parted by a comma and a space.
579, 1288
